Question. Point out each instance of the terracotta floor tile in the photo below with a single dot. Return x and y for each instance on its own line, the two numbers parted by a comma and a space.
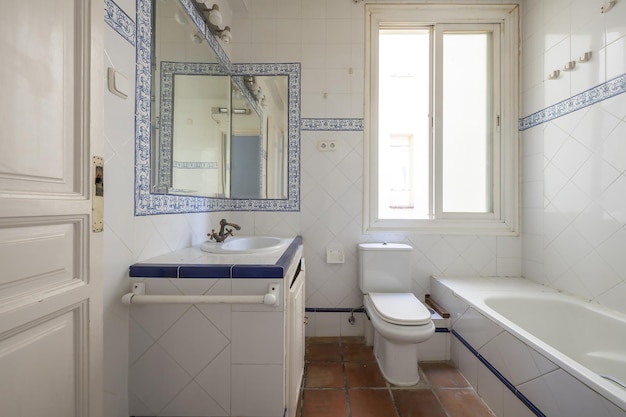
364, 374
357, 352
323, 352
463, 403
324, 403
443, 375
417, 403
371, 403
324, 375
334, 363
323, 339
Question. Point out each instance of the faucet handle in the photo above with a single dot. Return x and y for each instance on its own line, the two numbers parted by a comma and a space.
212, 235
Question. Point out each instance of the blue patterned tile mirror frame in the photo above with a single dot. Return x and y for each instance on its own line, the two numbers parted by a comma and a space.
150, 203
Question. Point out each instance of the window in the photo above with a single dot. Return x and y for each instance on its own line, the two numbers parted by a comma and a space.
441, 127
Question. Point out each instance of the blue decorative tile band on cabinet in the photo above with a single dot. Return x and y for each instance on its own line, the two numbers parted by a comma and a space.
115, 17
332, 124
587, 98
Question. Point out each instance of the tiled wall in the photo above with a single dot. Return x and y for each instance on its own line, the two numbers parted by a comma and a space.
573, 181
574, 166
328, 38
128, 239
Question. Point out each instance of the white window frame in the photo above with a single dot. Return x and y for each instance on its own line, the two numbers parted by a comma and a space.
505, 218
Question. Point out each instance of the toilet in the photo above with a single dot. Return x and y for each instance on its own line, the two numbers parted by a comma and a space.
399, 319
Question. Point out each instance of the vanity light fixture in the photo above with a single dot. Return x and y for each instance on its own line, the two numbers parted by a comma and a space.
213, 18
224, 110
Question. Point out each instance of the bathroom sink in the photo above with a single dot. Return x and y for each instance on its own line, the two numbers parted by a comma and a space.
250, 244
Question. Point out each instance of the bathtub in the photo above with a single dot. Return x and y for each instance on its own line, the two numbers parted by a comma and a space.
559, 355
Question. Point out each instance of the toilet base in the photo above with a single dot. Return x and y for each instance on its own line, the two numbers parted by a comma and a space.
397, 362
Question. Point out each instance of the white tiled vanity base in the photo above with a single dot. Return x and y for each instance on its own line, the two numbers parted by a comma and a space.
206, 360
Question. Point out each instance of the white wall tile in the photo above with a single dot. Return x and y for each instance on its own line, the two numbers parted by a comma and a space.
257, 338
257, 390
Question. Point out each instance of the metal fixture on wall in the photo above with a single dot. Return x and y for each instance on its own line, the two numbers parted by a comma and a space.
607, 6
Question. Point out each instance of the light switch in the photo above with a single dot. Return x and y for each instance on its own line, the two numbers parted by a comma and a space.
335, 255
117, 82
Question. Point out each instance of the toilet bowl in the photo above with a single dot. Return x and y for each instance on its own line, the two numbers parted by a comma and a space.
399, 319
400, 322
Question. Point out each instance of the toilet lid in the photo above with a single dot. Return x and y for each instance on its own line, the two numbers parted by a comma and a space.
400, 308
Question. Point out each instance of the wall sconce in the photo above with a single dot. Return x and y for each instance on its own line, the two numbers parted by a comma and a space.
213, 17
224, 34
180, 18
255, 90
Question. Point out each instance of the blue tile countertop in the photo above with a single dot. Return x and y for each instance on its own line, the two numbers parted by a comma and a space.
194, 263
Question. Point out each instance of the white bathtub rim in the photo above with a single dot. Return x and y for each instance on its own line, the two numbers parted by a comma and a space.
475, 298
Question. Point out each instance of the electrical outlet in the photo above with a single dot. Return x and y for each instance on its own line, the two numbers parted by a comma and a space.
326, 145
322, 146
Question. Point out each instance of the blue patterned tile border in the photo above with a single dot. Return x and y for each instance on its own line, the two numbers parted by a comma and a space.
587, 98
115, 17
194, 165
331, 124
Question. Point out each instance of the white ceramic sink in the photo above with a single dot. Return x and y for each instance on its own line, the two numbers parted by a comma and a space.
249, 244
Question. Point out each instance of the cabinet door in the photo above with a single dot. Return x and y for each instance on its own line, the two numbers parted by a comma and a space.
295, 341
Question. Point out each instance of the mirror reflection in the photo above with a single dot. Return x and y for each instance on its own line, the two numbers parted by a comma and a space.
215, 133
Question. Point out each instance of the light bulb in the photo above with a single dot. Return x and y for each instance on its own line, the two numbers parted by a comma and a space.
226, 36
180, 17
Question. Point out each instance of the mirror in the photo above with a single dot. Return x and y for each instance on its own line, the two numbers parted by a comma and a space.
210, 135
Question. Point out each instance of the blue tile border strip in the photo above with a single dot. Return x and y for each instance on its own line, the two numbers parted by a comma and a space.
277, 270
532, 407
587, 98
332, 124
115, 17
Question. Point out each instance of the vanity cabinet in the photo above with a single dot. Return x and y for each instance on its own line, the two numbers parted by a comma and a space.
210, 360
295, 340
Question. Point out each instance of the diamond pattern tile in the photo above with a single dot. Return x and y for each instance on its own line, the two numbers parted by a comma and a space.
584, 183
193, 341
156, 386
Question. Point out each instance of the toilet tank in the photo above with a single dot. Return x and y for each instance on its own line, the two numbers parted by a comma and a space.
384, 267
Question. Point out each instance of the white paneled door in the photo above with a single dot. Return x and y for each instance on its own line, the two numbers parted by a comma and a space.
50, 260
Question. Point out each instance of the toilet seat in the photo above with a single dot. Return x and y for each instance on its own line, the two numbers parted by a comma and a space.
400, 308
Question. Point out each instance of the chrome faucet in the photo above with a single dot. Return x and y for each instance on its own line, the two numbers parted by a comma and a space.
223, 233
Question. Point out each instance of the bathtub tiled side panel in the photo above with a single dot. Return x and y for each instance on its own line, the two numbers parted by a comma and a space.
477, 329
552, 390
559, 394
514, 359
